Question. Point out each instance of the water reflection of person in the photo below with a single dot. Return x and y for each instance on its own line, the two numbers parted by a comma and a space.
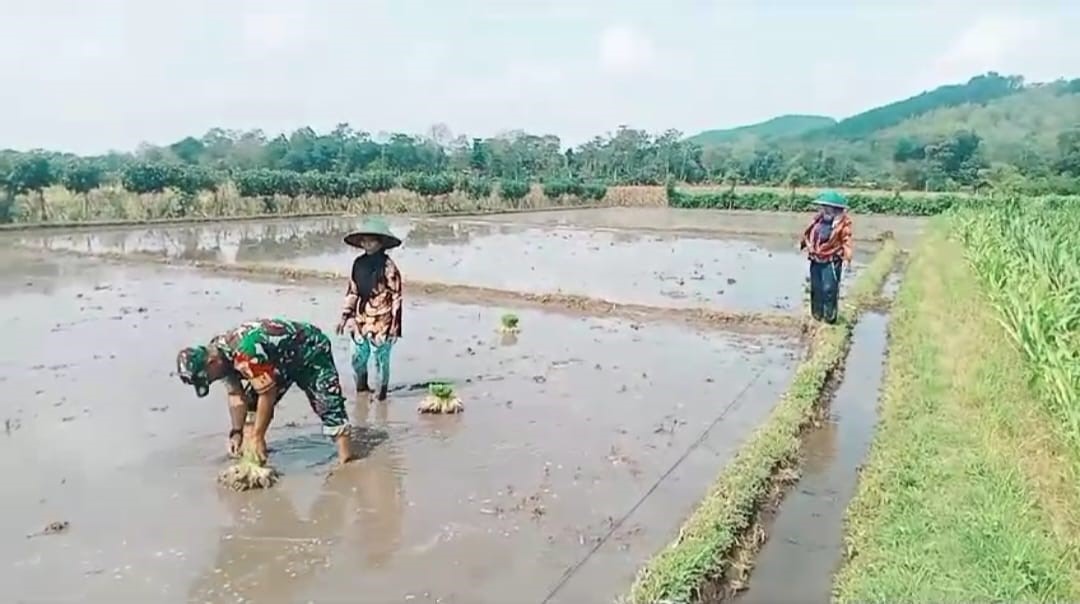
269, 554
379, 482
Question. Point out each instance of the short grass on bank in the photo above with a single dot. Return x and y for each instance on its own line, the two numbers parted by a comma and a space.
966, 495
702, 551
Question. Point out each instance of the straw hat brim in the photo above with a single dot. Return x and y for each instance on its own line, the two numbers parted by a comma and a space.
389, 241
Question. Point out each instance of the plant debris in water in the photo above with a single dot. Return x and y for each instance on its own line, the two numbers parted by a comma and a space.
53, 528
509, 323
441, 399
248, 474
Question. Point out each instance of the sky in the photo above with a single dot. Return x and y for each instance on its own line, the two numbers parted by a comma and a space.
87, 76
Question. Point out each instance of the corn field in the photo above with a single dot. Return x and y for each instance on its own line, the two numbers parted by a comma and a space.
1028, 258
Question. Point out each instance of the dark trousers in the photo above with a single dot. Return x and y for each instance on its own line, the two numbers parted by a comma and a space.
825, 289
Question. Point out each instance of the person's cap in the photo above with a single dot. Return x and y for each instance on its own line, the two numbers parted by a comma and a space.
191, 367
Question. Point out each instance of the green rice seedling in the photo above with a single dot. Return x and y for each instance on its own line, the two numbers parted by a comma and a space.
509, 323
441, 399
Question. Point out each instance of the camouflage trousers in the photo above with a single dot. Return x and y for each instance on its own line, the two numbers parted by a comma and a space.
316, 374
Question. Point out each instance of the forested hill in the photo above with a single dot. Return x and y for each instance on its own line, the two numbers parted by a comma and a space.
980, 90
778, 127
992, 131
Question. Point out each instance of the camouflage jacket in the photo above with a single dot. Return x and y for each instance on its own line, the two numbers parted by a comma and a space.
266, 352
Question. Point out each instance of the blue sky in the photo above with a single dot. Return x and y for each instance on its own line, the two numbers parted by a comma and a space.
87, 76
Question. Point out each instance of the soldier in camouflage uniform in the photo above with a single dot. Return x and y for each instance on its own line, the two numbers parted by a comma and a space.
259, 361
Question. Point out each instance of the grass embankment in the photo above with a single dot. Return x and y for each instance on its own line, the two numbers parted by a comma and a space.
704, 549
969, 493
862, 202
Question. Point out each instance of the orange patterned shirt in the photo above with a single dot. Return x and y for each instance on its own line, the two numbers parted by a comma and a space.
378, 317
838, 244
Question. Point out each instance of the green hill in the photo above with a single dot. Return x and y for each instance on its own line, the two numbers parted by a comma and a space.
778, 127
979, 90
991, 129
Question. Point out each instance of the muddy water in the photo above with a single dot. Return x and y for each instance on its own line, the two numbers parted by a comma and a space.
785, 224
565, 428
805, 543
622, 266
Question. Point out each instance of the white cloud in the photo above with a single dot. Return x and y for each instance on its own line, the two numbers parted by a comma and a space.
625, 50
1010, 43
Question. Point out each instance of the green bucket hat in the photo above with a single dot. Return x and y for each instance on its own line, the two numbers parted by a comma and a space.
831, 198
374, 227
191, 367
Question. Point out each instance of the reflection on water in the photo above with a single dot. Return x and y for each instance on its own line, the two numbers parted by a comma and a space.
669, 270
272, 553
253, 242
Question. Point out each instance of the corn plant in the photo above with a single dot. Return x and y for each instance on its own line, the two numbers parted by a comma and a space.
1028, 258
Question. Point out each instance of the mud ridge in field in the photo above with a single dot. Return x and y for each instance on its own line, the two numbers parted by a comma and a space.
751, 322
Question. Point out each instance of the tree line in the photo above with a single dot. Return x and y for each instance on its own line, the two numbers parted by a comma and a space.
346, 162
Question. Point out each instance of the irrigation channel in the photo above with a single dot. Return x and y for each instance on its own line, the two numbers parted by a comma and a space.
805, 544
580, 453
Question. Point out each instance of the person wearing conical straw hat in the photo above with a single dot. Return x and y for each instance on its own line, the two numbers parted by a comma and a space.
828, 243
371, 314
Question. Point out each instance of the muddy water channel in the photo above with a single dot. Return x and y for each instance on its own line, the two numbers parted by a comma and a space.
566, 427
674, 270
805, 544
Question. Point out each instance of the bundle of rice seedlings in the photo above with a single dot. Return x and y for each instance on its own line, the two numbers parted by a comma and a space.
509, 323
248, 473
441, 399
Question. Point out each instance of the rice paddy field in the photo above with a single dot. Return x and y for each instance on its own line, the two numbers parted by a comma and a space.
667, 426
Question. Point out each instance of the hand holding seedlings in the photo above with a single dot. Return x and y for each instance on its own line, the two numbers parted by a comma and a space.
236, 441
248, 473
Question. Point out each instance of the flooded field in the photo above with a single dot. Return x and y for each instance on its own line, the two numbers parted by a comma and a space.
566, 429
735, 273
788, 225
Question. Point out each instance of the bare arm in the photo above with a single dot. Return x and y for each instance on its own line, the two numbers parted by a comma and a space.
252, 364
264, 411
237, 411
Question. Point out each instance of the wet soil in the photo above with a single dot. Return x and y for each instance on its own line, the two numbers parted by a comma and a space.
568, 304
805, 536
567, 424
784, 224
654, 269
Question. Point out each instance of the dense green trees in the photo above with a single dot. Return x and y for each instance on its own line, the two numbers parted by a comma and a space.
992, 131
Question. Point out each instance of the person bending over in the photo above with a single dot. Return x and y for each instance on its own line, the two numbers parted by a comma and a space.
258, 361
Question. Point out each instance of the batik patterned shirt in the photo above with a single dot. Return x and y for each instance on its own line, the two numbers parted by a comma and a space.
378, 317
838, 242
